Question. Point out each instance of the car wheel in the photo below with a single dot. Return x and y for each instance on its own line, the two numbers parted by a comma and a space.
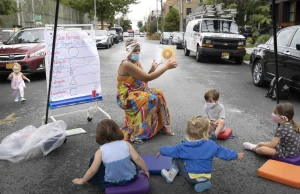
199, 57
258, 74
107, 46
186, 51
238, 60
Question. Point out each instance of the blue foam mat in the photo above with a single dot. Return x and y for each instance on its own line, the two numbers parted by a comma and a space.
155, 165
74, 101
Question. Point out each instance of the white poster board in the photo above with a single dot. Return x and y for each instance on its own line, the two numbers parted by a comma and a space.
76, 67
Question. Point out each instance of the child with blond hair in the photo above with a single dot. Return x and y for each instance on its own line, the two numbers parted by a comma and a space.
193, 158
17, 82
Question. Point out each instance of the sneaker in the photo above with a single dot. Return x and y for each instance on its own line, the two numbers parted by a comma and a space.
213, 136
23, 99
200, 187
167, 175
249, 146
17, 100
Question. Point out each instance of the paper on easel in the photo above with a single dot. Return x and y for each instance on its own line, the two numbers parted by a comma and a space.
167, 53
75, 131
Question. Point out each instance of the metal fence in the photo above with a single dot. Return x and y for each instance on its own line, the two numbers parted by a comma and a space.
35, 13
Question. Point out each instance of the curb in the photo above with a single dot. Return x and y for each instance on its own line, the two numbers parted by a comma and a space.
246, 62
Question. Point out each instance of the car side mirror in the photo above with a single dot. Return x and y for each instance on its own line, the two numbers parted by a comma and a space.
196, 28
298, 47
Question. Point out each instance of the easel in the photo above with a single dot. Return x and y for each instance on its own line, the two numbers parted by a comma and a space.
51, 105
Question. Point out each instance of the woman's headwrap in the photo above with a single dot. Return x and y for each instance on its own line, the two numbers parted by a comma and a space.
131, 44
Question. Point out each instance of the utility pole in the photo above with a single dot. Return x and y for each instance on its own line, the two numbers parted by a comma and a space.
32, 3
162, 16
157, 16
19, 19
95, 16
181, 22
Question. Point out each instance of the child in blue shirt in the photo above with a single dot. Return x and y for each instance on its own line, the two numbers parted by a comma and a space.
114, 164
193, 158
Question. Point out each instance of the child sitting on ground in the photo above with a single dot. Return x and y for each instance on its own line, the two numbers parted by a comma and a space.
17, 82
193, 159
114, 163
215, 113
286, 141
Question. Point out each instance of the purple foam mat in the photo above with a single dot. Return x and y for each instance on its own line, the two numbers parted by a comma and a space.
294, 160
155, 165
139, 186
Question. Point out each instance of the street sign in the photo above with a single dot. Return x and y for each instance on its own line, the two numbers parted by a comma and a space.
38, 17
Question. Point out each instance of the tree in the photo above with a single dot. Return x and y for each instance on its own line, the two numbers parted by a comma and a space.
140, 24
172, 21
106, 10
7, 7
125, 24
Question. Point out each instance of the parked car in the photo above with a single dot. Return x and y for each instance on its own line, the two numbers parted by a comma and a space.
214, 37
142, 34
176, 38
114, 35
103, 39
262, 62
119, 31
26, 47
125, 34
164, 38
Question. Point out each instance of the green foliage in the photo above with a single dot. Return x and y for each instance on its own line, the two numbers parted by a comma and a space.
249, 40
232, 6
262, 39
7, 7
172, 21
125, 24
140, 24
106, 10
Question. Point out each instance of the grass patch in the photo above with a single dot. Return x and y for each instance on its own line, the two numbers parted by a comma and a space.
250, 45
247, 57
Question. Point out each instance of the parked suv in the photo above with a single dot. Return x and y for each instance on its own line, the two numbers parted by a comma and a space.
25, 47
176, 38
103, 39
114, 35
214, 37
262, 62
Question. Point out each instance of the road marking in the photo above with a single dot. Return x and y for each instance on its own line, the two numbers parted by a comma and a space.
9, 119
235, 110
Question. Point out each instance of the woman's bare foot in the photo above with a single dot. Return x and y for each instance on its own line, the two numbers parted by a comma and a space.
166, 131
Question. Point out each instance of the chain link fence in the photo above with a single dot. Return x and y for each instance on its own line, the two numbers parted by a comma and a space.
36, 13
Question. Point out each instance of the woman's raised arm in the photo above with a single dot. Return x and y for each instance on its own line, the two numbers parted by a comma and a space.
140, 74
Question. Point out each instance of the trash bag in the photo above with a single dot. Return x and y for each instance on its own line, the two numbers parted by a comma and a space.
32, 142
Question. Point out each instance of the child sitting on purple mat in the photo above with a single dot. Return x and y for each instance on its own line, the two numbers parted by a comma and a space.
286, 141
193, 158
114, 164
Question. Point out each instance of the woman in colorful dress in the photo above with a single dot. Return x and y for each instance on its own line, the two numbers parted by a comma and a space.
145, 108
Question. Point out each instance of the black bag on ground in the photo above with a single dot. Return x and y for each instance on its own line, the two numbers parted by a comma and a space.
283, 92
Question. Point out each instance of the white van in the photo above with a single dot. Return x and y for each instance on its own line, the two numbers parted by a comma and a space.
214, 37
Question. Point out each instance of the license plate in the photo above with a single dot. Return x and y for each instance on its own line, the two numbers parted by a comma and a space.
9, 65
225, 55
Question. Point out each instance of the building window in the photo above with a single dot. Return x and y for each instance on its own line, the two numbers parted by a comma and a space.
288, 12
188, 11
292, 12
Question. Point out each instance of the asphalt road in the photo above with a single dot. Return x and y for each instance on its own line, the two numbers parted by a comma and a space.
248, 113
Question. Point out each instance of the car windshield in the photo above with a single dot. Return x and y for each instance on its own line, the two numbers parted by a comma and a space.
166, 34
27, 36
178, 35
101, 33
219, 26
112, 32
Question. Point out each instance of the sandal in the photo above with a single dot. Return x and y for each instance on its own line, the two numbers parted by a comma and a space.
138, 142
167, 132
